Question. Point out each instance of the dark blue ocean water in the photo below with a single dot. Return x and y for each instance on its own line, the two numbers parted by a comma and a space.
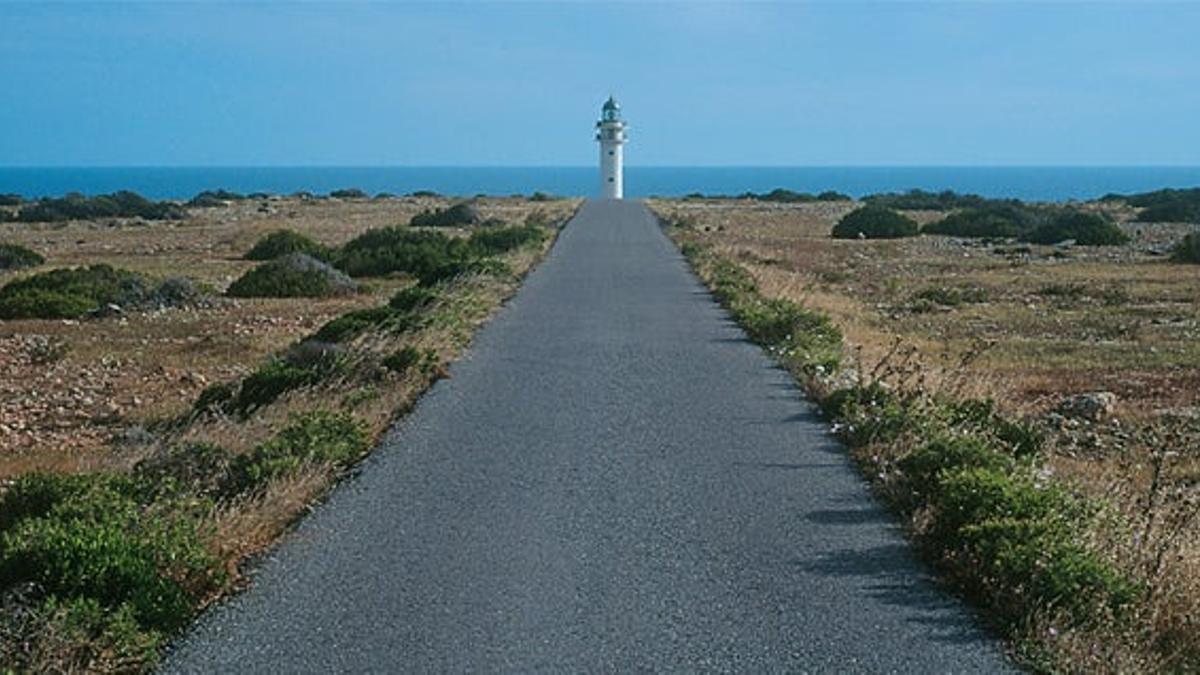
1030, 183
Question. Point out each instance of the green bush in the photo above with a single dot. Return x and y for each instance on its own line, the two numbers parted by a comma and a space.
283, 242
15, 257
458, 215
70, 293
1022, 440
1187, 250
77, 635
9, 199
1165, 206
921, 200
1087, 229
495, 241
800, 336
273, 379
211, 198
1022, 539
215, 397
89, 537
349, 193
295, 275
403, 359
352, 324
315, 437
75, 206
456, 268
390, 250
874, 222
951, 453
1000, 220
1175, 212
413, 299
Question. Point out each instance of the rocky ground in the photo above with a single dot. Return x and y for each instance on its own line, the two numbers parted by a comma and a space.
72, 390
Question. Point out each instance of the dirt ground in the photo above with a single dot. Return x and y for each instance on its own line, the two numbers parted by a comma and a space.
69, 389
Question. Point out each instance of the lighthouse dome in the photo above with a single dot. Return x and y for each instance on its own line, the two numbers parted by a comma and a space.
611, 110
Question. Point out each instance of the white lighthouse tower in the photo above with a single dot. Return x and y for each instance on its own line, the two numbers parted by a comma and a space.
610, 131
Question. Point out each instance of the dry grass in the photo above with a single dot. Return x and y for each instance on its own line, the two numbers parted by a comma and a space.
72, 387
1046, 325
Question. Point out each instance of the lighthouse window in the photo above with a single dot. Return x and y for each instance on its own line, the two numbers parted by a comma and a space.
610, 152
610, 179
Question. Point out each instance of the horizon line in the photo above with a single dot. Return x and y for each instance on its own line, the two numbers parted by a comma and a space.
4, 167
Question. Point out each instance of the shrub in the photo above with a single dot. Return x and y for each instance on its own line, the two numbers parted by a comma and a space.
273, 379
14, 257
1021, 537
91, 538
75, 206
413, 298
402, 359
1087, 229
920, 200
799, 336
71, 293
349, 193
197, 468
1000, 220
874, 222
458, 215
398, 249
294, 275
215, 397
9, 199
211, 198
352, 324
315, 437
283, 242
502, 239
1187, 250
73, 635
456, 268
923, 466
1173, 212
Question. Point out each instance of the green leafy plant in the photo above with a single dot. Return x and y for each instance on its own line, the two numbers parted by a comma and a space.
874, 222
315, 437
1088, 229
1187, 250
283, 242
15, 257
293, 275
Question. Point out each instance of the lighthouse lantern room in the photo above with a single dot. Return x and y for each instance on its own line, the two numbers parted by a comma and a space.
610, 131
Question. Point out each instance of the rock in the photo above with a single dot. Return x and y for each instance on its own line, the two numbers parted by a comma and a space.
1094, 406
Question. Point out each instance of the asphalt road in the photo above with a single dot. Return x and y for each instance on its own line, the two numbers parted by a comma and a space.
612, 479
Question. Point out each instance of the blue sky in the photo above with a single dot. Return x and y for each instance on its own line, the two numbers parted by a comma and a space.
833, 83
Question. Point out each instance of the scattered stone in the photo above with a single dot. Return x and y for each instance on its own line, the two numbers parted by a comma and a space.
1094, 406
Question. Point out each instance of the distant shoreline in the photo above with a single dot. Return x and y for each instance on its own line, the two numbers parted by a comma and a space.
1030, 183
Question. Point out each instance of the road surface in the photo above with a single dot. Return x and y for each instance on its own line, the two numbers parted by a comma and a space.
612, 479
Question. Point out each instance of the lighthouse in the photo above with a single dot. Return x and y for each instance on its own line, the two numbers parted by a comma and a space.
610, 131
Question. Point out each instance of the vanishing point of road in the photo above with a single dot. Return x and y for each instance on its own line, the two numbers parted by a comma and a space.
613, 479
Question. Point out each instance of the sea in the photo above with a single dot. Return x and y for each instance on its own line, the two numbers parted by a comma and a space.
1040, 183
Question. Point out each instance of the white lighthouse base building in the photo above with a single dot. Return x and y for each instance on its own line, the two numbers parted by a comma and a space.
610, 132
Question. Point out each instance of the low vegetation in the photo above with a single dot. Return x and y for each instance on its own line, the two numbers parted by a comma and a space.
75, 293
349, 193
461, 214
874, 222
921, 200
214, 198
155, 501
1087, 229
1188, 249
1164, 206
1068, 513
122, 204
15, 257
282, 242
295, 275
